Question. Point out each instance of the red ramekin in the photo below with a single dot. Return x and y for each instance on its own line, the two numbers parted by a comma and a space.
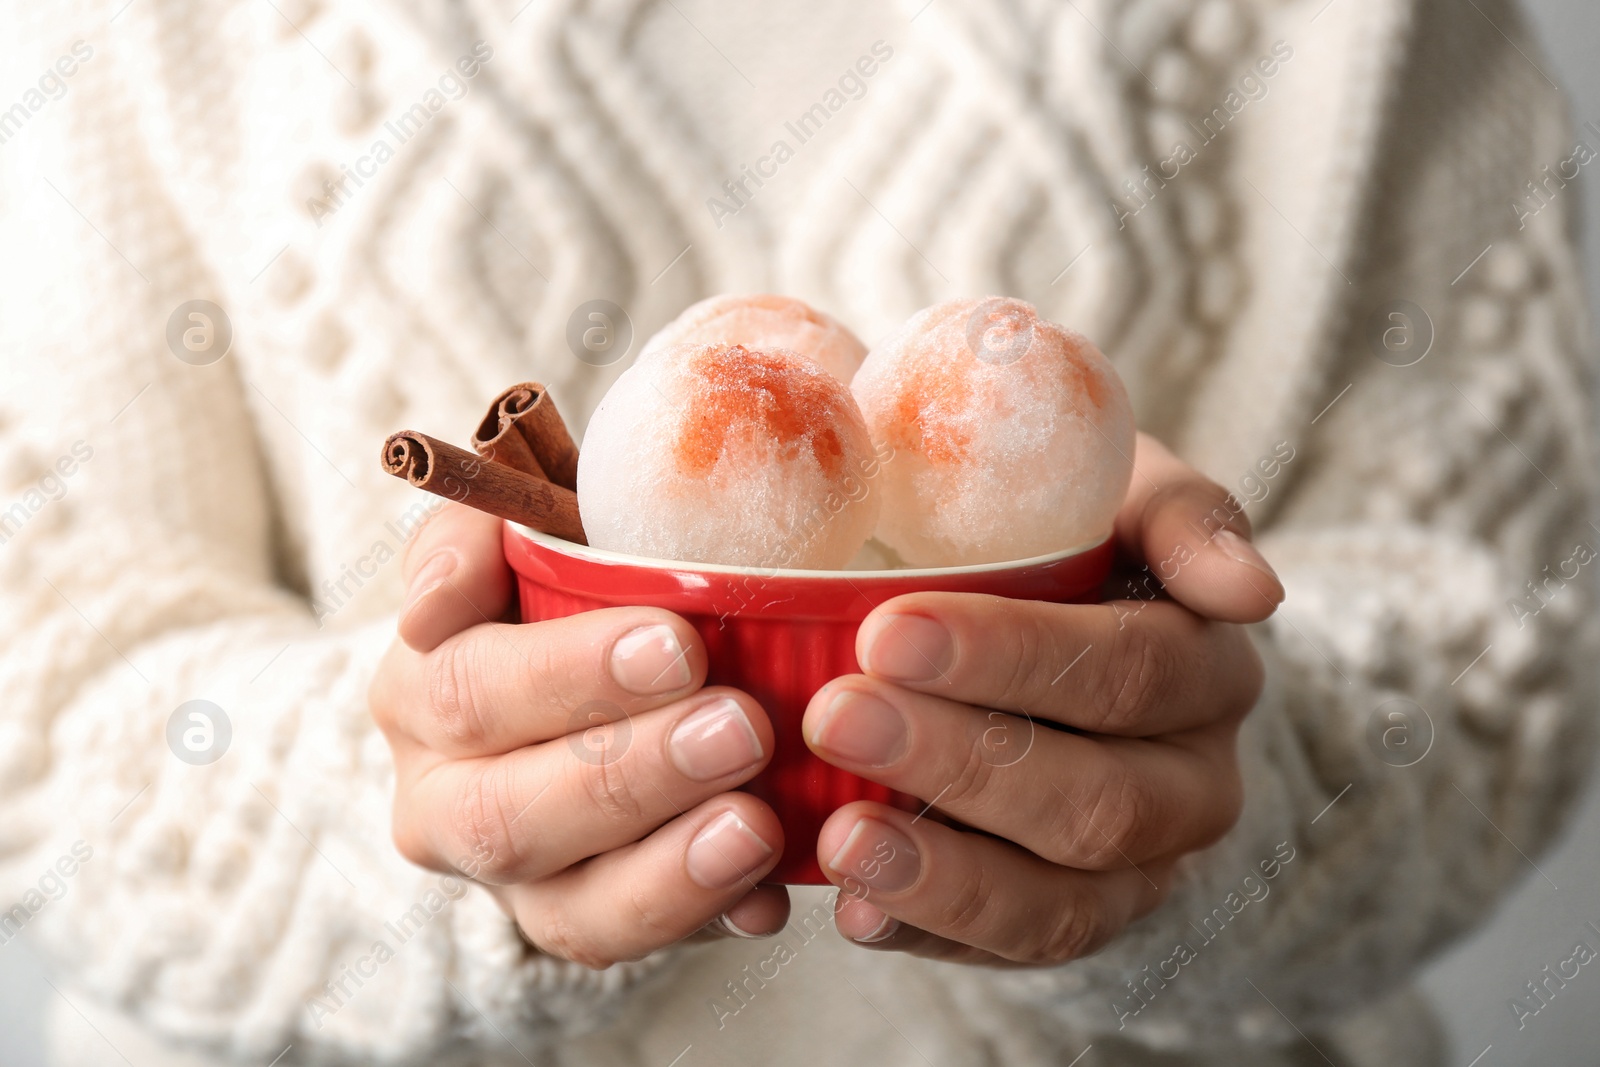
780, 635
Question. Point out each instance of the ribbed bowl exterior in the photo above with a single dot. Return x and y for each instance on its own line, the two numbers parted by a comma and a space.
779, 636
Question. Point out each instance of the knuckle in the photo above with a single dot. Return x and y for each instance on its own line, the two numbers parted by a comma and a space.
970, 783
610, 789
482, 827
964, 913
1103, 834
557, 935
457, 710
1077, 929
543, 660
1001, 740
645, 910
1031, 641
1138, 670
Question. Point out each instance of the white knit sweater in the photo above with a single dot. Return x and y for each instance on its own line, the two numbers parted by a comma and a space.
223, 532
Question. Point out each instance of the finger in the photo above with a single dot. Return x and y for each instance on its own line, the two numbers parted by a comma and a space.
1194, 537
1130, 669
544, 807
1094, 803
497, 687
914, 942
872, 928
761, 912
877, 931
978, 890
456, 576
631, 901
860, 921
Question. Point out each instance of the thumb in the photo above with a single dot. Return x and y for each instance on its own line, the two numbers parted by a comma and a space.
1195, 538
456, 576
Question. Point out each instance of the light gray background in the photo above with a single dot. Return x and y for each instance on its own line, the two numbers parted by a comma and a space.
1538, 925
1472, 984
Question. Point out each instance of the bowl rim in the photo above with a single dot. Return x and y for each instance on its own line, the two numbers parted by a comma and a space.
601, 555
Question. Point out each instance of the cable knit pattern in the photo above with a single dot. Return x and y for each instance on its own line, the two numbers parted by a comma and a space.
230, 538
1409, 526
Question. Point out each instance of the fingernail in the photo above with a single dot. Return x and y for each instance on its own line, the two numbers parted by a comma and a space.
429, 577
714, 742
1241, 551
909, 648
885, 928
650, 660
724, 852
879, 855
727, 923
860, 728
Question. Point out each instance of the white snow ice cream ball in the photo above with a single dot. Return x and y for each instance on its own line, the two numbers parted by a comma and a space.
764, 321
718, 453
1003, 435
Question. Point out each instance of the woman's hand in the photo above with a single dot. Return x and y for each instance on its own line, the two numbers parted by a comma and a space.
575, 767
1078, 829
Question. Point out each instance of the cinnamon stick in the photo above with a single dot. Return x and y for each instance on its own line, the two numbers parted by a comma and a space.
497, 488
524, 430
506, 445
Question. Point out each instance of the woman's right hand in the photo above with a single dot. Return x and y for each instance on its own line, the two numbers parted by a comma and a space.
575, 767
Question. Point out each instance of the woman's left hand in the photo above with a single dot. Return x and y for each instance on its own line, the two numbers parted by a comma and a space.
1041, 844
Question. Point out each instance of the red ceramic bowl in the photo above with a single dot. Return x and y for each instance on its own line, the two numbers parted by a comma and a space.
779, 635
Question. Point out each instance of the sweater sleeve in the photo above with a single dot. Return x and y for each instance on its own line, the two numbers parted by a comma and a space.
194, 802
1427, 721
